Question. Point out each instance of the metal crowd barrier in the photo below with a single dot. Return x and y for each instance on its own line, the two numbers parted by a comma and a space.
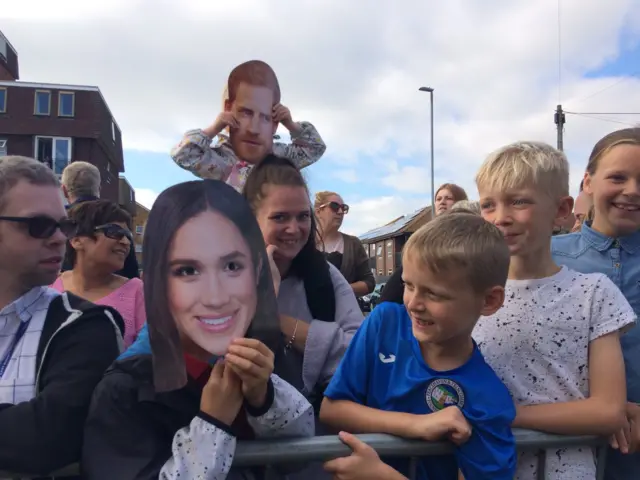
321, 448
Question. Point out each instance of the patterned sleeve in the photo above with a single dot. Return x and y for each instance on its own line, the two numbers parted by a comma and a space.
610, 310
195, 154
201, 450
288, 414
305, 148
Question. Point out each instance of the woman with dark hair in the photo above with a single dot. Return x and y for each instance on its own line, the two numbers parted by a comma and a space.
95, 254
445, 198
319, 313
162, 411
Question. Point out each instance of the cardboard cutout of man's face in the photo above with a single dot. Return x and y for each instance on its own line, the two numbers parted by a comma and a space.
212, 288
253, 109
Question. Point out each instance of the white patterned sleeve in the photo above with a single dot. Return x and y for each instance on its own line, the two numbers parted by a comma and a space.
287, 413
202, 450
610, 310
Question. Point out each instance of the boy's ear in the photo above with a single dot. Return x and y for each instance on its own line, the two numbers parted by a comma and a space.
227, 105
565, 207
586, 186
493, 300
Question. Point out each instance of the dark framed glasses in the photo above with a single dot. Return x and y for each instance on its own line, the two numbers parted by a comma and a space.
43, 227
114, 232
337, 207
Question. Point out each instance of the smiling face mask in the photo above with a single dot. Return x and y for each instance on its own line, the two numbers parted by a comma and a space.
205, 283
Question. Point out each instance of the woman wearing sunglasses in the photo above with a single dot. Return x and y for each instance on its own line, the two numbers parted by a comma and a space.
97, 251
344, 251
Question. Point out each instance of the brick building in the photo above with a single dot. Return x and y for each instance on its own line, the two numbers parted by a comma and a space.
384, 244
139, 224
58, 124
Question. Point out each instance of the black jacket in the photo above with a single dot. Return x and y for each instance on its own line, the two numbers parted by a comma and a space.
393, 289
78, 343
131, 428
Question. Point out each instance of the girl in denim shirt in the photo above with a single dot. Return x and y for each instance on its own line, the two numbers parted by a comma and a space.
610, 244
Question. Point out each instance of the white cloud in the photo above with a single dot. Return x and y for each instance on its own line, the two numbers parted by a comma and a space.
146, 197
375, 212
493, 64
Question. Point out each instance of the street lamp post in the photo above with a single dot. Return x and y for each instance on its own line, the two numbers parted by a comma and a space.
433, 193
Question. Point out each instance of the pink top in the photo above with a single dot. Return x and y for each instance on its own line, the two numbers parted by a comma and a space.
128, 300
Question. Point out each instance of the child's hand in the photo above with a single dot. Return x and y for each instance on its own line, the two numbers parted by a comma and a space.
222, 395
363, 463
449, 422
282, 114
252, 361
627, 440
224, 120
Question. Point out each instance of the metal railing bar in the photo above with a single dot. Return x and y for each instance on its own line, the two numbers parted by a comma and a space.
320, 448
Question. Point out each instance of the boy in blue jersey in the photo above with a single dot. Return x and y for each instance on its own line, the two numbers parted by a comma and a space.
414, 371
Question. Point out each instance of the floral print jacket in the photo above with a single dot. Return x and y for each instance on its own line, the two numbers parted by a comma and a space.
196, 154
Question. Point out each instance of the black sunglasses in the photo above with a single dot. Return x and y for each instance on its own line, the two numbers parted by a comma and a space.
114, 232
336, 207
43, 227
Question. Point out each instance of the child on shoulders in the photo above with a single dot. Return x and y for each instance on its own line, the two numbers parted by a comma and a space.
251, 113
555, 342
414, 371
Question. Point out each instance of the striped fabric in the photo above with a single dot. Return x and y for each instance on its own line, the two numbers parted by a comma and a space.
17, 384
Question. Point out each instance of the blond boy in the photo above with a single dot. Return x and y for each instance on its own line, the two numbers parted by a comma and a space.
555, 342
413, 370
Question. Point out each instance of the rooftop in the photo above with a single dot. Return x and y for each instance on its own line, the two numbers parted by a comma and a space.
399, 225
60, 86
8, 43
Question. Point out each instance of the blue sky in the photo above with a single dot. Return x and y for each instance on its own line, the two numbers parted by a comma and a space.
357, 81
328, 175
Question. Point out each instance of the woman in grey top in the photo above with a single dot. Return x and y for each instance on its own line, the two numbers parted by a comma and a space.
319, 313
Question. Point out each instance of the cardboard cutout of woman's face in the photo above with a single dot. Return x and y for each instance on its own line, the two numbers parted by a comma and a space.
212, 284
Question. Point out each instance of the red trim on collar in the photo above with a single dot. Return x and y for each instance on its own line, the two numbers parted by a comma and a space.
196, 368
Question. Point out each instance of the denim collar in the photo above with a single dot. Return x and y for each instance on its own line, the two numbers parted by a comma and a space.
629, 243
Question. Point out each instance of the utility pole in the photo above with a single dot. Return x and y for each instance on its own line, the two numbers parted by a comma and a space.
429, 90
560, 120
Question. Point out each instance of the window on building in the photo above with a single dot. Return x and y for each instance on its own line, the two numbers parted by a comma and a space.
3, 48
139, 229
42, 100
379, 251
390, 272
113, 131
3, 147
66, 104
3, 100
54, 152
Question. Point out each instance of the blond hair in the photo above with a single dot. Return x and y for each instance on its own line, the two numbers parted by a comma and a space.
322, 197
470, 206
461, 241
81, 179
520, 164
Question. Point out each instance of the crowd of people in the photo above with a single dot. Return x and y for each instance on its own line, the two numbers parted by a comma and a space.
245, 322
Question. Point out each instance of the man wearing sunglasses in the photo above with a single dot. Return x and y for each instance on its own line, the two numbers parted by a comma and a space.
54, 348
